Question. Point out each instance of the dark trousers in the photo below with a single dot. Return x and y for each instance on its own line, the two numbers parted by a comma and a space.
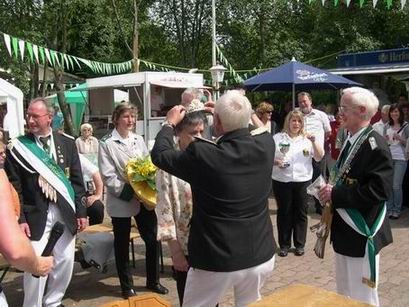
95, 213
147, 227
316, 172
292, 219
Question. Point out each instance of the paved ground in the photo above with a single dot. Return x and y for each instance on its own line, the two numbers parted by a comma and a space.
90, 288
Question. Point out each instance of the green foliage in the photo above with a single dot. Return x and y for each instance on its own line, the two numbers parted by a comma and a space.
251, 33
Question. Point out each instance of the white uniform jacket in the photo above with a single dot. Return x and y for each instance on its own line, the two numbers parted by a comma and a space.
114, 153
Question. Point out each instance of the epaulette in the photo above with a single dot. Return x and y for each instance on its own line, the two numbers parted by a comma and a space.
106, 137
67, 135
372, 143
258, 131
198, 138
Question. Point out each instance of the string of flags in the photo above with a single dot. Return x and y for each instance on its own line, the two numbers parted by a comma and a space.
362, 2
23, 50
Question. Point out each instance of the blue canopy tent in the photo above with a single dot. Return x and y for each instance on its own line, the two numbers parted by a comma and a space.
296, 76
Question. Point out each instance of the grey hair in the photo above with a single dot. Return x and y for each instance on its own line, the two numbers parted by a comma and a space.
362, 97
302, 94
189, 94
191, 119
86, 126
47, 104
385, 108
233, 110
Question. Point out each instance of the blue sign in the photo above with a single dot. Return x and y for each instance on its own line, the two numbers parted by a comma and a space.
391, 56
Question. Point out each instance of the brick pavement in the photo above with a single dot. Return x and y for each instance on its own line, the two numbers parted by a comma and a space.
90, 288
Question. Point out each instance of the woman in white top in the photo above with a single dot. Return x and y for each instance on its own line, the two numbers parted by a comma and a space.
115, 151
292, 173
396, 134
88, 144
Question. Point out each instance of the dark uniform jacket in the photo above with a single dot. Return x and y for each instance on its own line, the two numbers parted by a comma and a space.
34, 204
367, 185
231, 181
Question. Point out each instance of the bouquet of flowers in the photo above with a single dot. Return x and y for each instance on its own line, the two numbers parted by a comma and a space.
141, 175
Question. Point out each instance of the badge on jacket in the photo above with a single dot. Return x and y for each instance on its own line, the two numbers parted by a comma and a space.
372, 143
67, 172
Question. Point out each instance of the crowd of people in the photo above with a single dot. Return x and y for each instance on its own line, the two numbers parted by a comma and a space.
218, 164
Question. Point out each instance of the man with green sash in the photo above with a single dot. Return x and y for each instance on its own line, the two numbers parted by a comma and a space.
361, 183
45, 170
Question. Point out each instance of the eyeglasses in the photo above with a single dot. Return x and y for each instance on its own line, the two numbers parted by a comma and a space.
343, 109
35, 116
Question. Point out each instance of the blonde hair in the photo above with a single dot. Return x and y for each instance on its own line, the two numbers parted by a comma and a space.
264, 107
295, 113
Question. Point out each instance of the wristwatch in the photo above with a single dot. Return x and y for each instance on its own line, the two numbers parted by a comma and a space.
168, 124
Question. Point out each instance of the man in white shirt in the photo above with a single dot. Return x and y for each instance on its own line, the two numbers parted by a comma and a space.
316, 123
380, 125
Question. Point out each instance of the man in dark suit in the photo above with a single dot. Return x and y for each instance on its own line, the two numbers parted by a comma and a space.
363, 183
231, 243
45, 170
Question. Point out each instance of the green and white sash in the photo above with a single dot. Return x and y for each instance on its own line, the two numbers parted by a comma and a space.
354, 219
36, 158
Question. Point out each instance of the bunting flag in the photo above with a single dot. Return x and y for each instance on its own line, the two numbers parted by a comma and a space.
41, 55
362, 2
30, 51
7, 41
230, 68
35, 51
21, 44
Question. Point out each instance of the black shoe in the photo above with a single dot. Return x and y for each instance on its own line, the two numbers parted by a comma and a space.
283, 252
128, 293
299, 251
158, 288
84, 264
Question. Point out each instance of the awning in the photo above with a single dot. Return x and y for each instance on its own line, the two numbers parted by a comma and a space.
176, 84
372, 69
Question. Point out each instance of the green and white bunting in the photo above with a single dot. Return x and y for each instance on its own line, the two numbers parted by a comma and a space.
23, 50
362, 2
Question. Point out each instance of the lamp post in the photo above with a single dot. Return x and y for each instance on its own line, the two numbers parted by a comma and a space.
217, 72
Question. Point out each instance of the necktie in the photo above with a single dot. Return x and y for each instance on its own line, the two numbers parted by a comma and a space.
44, 140
344, 154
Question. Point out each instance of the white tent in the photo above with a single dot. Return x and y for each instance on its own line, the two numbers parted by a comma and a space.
14, 119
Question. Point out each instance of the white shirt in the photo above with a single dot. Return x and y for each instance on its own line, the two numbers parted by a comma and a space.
317, 123
88, 170
352, 140
395, 146
299, 156
379, 126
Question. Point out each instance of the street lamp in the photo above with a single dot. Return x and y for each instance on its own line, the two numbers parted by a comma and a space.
217, 72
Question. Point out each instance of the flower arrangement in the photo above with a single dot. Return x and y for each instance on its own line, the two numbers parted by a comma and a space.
141, 175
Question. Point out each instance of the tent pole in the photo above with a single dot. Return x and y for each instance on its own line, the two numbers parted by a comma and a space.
293, 92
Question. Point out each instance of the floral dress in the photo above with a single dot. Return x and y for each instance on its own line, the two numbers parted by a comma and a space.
173, 209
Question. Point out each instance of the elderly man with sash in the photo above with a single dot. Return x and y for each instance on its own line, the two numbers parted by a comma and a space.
45, 170
360, 185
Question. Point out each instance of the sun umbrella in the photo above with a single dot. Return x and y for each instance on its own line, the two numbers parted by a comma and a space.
296, 76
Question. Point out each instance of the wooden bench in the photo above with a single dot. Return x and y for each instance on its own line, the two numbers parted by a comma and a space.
145, 300
305, 295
